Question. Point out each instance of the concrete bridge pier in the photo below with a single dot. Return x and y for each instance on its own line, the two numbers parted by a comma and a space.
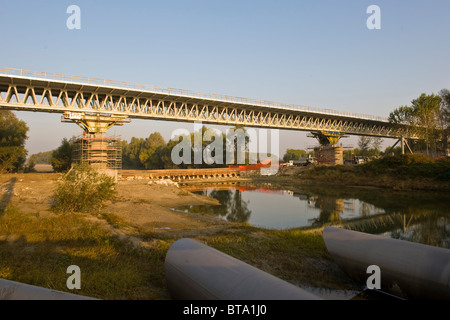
329, 153
94, 147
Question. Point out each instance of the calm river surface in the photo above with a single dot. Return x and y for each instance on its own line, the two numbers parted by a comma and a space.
422, 217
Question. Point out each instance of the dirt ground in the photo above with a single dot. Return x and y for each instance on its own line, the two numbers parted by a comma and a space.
30, 192
149, 209
139, 207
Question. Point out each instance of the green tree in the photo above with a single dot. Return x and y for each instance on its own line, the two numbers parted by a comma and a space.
163, 156
13, 134
422, 115
444, 119
131, 152
369, 146
61, 159
294, 154
376, 143
42, 157
156, 160
444, 94
402, 115
426, 110
364, 144
154, 141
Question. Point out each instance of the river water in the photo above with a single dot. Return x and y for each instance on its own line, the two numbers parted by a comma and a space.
422, 217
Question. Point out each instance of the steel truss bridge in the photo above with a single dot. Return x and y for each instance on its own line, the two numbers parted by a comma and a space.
97, 104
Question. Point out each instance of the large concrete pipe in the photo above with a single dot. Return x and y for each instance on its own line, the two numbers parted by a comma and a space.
420, 271
195, 271
12, 290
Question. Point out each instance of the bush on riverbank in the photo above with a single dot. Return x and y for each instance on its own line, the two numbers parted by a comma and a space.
411, 171
83, 189
410, 166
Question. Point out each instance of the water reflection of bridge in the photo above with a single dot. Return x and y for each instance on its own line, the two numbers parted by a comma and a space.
420, 221
385, 222
334, 210
411, 223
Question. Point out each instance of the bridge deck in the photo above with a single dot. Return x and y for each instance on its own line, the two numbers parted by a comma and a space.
48, 92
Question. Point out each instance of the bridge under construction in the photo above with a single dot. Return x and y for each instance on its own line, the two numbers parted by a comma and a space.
96, 105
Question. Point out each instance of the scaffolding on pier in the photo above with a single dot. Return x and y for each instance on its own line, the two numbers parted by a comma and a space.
99, 151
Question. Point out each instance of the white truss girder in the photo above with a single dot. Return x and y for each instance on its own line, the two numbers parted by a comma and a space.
42, 95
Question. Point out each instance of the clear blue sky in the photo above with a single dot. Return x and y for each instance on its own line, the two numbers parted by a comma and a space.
312, 53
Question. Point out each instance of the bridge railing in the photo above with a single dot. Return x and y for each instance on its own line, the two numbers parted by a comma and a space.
182, 92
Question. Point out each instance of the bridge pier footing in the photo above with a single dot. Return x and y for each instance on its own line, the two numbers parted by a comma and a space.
329, 153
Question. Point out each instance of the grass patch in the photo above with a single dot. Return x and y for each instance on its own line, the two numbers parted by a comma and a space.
114, 220
38, 251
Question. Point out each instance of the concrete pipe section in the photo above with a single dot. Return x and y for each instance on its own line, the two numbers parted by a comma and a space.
11, 290
419, 271
195, 271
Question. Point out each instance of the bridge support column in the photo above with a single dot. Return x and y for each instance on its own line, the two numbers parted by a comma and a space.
94, 147
403, 143
328, 153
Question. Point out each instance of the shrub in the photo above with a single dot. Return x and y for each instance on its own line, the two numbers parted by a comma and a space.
409, 165
83, 189
61, 158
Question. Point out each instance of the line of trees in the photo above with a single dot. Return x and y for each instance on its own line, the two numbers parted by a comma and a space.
368, 147
142, 153
429, 117
148, 153
294, 154
155, 153
41, 157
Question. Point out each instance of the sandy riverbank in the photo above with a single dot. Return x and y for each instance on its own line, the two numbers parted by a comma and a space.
141, 214
137, 204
